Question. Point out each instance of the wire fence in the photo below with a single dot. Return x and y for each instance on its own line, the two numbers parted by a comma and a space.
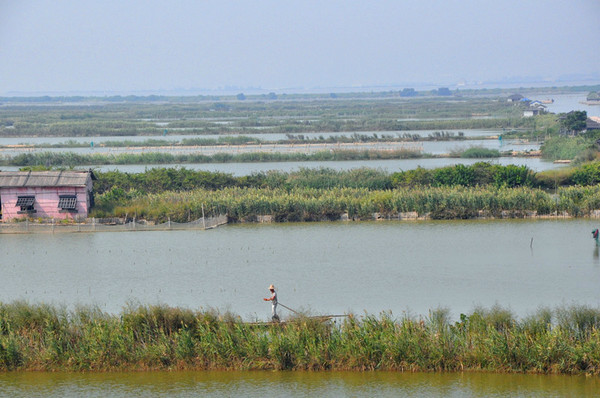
108, 224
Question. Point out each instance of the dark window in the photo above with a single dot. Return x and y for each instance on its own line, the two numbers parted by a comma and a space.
67, 202
25, 203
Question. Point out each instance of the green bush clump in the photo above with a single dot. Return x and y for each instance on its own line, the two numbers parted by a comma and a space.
480, 153
478, 174
587, 174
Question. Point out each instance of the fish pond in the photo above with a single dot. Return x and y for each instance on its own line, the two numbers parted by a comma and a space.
404, 267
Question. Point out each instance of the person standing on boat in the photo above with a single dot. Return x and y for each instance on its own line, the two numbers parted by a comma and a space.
273, 300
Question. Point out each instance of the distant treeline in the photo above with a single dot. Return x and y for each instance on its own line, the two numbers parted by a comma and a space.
405, 92
41, 337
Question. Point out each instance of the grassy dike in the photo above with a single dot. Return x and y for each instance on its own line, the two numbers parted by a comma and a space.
43, 337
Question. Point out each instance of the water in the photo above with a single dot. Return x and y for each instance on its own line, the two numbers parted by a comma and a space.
390, 165
564, 103
324, 268
294, 384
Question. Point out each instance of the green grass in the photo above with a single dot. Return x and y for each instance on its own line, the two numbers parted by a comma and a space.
565, 147
43, 337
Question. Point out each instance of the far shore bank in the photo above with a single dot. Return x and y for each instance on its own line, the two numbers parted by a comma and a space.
129, 225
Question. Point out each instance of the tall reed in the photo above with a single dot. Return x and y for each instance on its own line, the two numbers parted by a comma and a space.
314, 204
42, 337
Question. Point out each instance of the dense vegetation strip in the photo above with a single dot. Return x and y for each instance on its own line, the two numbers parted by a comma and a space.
309, 204
246, 140
71, 159
480, 190
44, 337
157, 180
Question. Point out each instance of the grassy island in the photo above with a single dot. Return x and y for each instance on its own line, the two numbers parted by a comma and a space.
43, 337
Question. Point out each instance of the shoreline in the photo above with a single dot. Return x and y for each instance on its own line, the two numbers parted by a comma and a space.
121, 225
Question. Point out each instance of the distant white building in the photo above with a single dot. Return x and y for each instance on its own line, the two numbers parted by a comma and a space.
535, 108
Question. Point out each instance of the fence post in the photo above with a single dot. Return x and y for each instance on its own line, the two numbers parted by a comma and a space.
169, 224
203, 218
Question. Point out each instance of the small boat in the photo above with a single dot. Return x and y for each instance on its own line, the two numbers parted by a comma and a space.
548, 101
318, 318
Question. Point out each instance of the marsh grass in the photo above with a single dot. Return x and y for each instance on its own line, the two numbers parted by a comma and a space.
71, 159
42, 337
316, 204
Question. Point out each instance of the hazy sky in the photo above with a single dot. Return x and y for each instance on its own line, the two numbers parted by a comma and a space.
125, 46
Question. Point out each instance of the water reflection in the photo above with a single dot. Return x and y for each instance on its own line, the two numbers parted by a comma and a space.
295, 384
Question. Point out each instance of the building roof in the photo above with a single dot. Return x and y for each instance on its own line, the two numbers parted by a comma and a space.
593, 123
59, 178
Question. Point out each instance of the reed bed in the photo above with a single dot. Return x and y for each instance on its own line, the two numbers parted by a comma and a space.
311, 204
71, 159
43, 337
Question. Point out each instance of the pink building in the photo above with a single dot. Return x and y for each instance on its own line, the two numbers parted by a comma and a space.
46, 194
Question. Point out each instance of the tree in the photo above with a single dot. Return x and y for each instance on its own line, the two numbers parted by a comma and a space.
408, 92
574, 121
241, 96
444, 91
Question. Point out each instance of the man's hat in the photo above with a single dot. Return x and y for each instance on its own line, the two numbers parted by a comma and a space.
271, 287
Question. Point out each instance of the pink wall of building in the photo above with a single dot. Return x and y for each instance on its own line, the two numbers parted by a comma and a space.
46, 202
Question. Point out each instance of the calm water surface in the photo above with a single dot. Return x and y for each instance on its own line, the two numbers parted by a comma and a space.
323, 268
390, 165
564, 103
294, 384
